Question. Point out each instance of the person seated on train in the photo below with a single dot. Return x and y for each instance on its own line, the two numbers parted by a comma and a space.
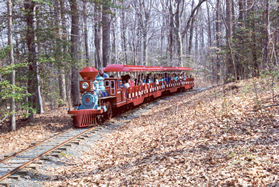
132, 82
161, 79
146, 80
175, 77
150, 79
103, 74
125, 78
157, 81
167, 78
183, 77
126, 85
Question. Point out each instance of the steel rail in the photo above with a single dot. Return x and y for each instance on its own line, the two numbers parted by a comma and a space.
32, 146
44, 153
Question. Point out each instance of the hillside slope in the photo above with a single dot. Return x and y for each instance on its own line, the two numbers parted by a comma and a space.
224, 136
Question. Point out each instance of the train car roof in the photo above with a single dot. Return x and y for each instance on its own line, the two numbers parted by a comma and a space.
134, 68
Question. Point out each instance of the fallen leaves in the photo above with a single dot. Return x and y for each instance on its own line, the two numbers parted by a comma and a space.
211, 138
43, 127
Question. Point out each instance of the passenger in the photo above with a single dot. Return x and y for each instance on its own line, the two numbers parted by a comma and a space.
132, 83
175, 77
126, 85
103, 74
167, 78
146, 79
157, 81
162, 78
140, 78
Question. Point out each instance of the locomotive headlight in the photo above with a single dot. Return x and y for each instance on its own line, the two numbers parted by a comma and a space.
85, 85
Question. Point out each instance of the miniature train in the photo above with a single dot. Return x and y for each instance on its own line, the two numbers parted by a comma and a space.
102, 95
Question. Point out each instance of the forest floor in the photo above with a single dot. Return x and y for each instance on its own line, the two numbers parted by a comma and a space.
42, 127
228, 135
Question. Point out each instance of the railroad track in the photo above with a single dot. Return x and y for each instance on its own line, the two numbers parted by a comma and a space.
18, 161
52, 146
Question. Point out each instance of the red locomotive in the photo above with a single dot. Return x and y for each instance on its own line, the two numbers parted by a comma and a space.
103, 94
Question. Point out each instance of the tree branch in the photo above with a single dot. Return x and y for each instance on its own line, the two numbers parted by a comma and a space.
191, 17
264, 107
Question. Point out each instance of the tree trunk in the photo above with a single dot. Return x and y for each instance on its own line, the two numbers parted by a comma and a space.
144, 52
240, 41
233, 17
38, 52
253, 43
218, 33
191, 37
196, 42
191, 30
123, 35
212, 65
85, 30
228, 64
162, 38
10, 41
65, 83
59, 52
170, 37
98, 36
113, 44
177, 32
33, 82
74, 52
106, 32
266, 34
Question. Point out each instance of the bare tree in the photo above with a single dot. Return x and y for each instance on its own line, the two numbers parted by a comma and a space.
218, 33
58, 58
34, 78
74, 52
123, 33
170, 34
98, 35
85, 31
10, 41
106, 19
266, 34
177, 31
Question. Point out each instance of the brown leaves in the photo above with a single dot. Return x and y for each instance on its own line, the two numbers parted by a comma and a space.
43, 126
210, 138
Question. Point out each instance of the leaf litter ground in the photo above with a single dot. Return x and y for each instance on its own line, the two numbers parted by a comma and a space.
224, 136
42, 127
228, 135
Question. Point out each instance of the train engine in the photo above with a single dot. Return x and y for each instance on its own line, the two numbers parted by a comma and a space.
92, 109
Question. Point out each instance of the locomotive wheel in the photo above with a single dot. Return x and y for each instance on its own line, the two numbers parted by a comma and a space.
100, 119
108, 114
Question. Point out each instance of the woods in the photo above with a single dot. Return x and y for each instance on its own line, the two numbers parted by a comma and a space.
44, 44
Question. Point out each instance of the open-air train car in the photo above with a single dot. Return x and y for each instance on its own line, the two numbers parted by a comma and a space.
102, 96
